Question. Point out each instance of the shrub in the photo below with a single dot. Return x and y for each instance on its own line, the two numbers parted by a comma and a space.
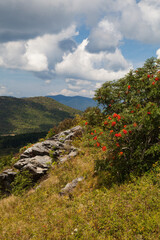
131, 122
22, 183
65, 124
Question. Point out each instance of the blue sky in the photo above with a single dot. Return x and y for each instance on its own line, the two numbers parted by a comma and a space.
72, 47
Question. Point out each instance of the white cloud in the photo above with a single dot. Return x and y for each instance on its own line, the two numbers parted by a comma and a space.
139, 21
102, 66
104, 37
67, 92
38, 17
35, 54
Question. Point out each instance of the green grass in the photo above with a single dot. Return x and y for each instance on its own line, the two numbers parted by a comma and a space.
129, 211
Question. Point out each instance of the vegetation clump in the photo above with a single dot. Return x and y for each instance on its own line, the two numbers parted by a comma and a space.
129, 129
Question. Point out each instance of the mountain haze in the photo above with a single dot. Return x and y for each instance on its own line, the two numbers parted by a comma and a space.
77, 102
24, 115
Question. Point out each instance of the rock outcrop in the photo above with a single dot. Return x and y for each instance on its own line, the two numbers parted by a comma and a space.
37, 159
6, 178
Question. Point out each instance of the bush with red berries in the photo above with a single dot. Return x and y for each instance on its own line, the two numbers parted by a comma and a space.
130, 129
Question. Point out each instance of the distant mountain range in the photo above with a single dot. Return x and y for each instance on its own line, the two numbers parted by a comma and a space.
77, 102
26, 115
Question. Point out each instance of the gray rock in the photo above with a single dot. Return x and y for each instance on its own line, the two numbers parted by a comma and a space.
36, 159
70, 186
6, 178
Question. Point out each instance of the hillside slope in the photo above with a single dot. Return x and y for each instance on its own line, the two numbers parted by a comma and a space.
35, 114
77, 102
128, 211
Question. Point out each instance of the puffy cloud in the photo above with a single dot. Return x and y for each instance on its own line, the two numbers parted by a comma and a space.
101, 66
21, 20
104, 37
67, 92
39, 53
139, 21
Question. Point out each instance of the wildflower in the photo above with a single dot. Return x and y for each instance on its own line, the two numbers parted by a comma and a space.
104, 148
98, 144
95, 131
111, 131
153, 83
148, 76
109, 118
105, 123
129, 87
118, 135
121, 153
95, 138
86, 123
100, 133
156, 79
132, 111
92, 133
117, 144
109, 105
148, 113
119, 117
124, 131
130, 131
135, 124
113, 124
125, 126
115, 115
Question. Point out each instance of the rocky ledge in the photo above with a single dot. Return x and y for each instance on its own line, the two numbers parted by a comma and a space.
37, 159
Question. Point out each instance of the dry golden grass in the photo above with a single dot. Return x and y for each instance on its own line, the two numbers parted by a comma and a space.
129, 211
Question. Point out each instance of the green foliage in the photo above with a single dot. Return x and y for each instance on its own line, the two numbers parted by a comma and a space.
93, 116
5, 161
62, 126
129, 132
22, 183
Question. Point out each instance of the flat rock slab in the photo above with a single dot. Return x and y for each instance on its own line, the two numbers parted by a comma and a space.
70, 186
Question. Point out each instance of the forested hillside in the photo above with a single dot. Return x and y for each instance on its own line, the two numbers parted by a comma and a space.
77, 102
26, 115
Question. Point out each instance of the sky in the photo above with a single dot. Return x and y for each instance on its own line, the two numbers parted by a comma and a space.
72, 47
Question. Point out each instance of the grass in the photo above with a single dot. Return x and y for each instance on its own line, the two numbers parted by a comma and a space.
129, 211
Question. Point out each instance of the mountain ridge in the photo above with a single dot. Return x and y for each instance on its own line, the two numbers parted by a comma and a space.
77, 102
35, 114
